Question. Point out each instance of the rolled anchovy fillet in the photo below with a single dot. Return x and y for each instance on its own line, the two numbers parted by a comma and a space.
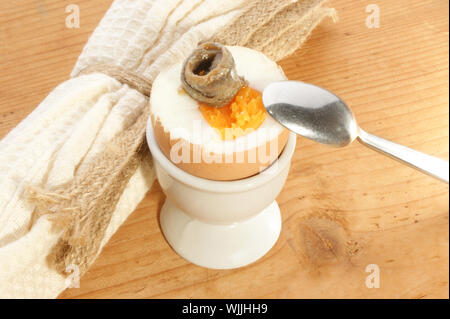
209, 75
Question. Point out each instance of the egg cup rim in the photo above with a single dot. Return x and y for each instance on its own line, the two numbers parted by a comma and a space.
214, 186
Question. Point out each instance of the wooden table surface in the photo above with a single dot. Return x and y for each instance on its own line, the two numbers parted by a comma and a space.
342, 209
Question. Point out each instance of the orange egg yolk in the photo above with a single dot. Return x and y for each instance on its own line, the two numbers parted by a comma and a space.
242, 115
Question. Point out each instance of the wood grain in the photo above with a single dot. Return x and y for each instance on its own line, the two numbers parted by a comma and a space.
342, 209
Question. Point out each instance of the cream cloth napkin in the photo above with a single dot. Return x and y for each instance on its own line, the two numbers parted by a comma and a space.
79, 118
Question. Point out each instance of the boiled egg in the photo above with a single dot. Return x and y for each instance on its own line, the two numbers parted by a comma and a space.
224, 143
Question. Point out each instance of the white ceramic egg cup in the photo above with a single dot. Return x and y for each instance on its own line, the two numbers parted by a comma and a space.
220, 224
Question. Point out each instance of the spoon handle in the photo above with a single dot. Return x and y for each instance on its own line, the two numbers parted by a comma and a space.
427, 164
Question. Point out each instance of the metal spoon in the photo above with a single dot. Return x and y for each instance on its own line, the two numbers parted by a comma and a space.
321, 116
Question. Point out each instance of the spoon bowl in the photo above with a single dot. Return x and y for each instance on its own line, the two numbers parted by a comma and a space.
312, 112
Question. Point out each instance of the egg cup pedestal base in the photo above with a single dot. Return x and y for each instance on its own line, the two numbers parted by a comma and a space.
221, 246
